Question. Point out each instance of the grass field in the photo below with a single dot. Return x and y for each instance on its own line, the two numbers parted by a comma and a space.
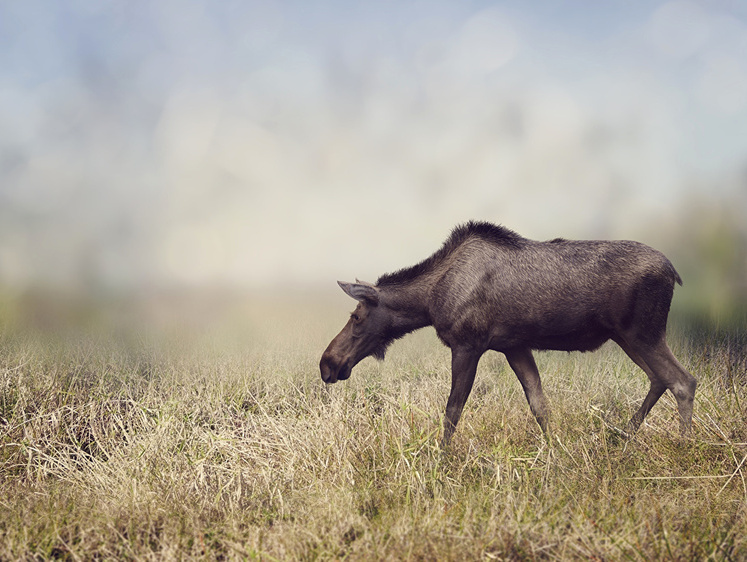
225, 444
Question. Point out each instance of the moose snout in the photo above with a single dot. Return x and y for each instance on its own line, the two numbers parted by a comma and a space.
329, 373
332, 369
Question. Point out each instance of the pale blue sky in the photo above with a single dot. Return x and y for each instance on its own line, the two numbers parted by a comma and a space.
251, 142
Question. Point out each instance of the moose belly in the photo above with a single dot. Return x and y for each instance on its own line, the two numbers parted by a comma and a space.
584, 335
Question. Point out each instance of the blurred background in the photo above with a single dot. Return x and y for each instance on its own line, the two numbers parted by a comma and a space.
240, 146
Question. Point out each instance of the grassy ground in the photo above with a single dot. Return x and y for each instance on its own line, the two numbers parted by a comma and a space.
229, 446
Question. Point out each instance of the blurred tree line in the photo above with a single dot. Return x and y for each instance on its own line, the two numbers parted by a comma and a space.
708, 245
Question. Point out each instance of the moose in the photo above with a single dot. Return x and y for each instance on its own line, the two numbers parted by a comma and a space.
488, 288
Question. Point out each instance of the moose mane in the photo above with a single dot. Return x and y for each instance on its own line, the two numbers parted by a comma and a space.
495, 234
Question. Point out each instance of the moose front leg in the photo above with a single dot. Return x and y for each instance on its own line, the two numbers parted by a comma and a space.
463, 369
522, 363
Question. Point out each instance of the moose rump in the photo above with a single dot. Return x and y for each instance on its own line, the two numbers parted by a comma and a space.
488, 288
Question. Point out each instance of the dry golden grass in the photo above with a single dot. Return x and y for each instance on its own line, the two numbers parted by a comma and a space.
227, 445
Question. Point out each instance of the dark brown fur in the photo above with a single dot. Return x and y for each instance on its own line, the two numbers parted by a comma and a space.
489, 288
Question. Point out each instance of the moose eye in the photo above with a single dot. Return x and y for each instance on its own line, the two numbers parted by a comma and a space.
355, 317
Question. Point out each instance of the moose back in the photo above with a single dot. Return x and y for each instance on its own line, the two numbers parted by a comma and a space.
487, 288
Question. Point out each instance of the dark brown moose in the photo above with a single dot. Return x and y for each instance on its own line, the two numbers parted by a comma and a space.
489, 288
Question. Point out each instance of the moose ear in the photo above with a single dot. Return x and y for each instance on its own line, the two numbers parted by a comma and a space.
361, 291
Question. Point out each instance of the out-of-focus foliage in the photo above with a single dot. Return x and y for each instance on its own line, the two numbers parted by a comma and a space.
708, 245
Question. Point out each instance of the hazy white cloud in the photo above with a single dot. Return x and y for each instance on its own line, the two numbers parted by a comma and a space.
679, 29
484, 43
186, 128
723, 84
251, 142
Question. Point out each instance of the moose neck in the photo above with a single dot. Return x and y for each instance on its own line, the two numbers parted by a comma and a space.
408, 302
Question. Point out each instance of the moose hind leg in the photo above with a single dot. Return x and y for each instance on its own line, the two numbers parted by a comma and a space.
668, 372
655, 391
522, 363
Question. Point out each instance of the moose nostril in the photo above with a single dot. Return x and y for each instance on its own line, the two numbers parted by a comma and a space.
326, 369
